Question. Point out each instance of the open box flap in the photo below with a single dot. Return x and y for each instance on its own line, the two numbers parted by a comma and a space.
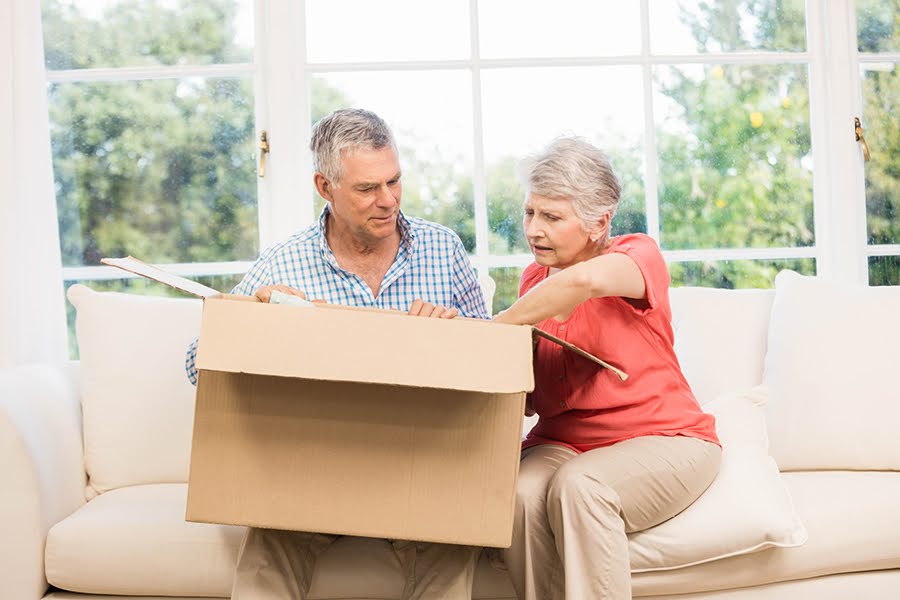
333, 343
133, 265
541, 333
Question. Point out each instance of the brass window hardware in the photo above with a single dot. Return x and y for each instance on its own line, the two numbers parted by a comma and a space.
263, 150
857, 126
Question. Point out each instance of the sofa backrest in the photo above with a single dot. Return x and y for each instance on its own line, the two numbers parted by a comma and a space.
138, 406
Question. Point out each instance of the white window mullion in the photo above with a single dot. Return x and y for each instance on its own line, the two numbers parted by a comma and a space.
479, 175
651, 183
838, 176
285, 193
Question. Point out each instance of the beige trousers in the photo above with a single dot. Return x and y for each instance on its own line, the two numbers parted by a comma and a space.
278, 565
573, 511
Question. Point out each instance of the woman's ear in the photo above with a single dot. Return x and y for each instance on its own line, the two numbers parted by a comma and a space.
600, 231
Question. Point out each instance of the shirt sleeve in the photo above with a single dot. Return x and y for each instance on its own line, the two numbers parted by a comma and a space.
467, 294
260, 274
645, 253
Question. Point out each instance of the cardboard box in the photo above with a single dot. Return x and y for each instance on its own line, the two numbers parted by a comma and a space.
353, 421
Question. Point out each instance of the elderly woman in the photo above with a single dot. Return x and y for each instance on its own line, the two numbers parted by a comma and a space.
606, 457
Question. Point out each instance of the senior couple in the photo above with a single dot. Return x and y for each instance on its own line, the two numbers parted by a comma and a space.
606, 457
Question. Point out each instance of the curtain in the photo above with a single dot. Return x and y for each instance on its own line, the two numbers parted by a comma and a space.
32, 306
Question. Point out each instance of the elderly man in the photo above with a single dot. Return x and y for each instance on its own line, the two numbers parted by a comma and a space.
363, 251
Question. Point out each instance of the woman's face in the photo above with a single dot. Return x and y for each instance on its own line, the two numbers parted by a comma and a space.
555, 233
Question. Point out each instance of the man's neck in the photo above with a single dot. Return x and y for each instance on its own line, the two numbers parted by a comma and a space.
343, 242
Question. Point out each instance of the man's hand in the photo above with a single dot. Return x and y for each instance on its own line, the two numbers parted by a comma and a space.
265, 292
420, 308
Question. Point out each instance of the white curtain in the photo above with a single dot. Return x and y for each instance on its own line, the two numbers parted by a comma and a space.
32, 307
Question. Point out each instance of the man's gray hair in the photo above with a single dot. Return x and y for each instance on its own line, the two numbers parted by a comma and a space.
574, 169
346, 129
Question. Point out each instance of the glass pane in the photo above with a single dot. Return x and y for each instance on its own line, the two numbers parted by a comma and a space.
430, 114
162, 170
535, 28
689, 26
507, 280
878, 25
884, 270
735, 162
81, 34
366, 31
522, 116
143, 287
736, 274
881, 120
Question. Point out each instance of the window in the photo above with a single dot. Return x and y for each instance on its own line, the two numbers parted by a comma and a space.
714, 115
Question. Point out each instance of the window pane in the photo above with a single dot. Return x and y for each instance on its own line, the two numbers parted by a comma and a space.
507, 280
144, 287
430, 113
735, 162
884, 270
162, 170
881, 95
736, 274
878, 25
689, 26
81, 34
366, 31
525, 109
565, 28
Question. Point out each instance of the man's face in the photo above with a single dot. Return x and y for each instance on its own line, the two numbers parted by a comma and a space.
366, 201
555, 233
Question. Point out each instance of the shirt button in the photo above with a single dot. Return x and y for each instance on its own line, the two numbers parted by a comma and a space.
562, 403
561, 378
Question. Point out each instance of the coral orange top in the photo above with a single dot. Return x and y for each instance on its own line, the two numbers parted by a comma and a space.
584, 406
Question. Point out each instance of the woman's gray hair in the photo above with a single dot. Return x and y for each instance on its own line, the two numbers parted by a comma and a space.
574, 169
346, 129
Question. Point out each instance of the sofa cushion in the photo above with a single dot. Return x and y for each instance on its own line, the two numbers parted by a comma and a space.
831, 369
852, 520
134, 540
720, 338
137, 402
747, 508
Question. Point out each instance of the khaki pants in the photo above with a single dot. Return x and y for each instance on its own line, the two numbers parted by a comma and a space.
278, 565
573, 511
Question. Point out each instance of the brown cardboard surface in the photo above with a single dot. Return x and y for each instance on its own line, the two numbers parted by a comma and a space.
365, 346
354, 458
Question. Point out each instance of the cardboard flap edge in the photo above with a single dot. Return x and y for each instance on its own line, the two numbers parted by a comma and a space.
133, 265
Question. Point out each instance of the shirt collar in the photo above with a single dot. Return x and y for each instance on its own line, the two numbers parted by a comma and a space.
407, 235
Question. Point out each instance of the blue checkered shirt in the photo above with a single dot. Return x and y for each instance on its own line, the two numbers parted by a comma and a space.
431, 265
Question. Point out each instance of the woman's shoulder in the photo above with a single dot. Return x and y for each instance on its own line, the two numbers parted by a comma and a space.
641, 240
531, 276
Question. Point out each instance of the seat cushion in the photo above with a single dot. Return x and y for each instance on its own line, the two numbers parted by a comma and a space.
137, 403
746, 509
831, 369
852, 521
134, 540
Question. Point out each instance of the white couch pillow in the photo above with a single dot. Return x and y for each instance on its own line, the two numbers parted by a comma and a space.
720, 338
137, 403
831, 368
747, 508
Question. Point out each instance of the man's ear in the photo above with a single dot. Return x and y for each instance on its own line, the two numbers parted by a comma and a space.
323, 186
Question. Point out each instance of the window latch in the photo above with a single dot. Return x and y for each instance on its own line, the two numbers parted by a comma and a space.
861, 138
263, 150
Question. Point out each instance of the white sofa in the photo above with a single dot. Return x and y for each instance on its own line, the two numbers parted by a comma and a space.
95, 456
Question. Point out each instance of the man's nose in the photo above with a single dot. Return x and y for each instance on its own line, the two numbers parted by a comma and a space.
386, 197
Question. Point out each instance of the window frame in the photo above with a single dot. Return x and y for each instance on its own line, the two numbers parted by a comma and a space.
282, 76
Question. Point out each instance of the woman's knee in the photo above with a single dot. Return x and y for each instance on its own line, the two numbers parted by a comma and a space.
572, 486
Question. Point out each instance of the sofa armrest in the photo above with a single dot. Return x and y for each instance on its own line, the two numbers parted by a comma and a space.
43, 469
